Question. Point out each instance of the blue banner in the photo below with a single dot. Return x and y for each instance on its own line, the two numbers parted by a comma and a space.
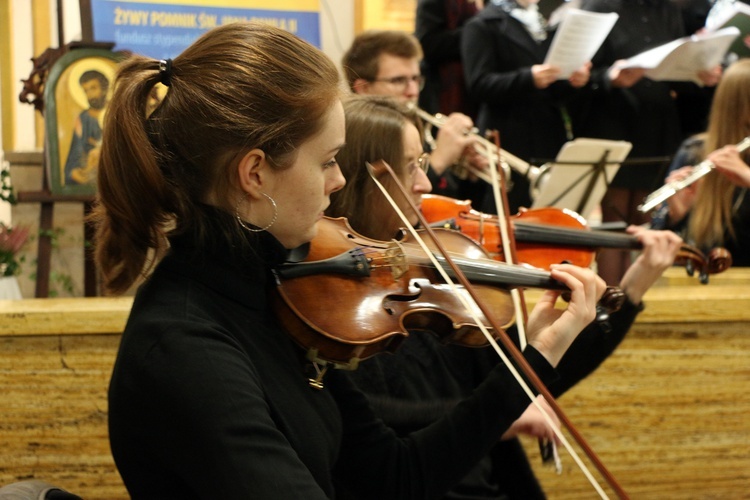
163, 30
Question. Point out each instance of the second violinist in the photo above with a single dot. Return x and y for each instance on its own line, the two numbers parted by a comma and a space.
424, 379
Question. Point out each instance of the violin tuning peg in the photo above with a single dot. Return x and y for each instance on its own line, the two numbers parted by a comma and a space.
690, 267
602, 318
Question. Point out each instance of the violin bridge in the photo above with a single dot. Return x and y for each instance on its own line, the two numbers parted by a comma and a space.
396, 258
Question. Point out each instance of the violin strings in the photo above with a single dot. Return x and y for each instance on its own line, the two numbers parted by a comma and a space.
513, 271
488, 271
382, 261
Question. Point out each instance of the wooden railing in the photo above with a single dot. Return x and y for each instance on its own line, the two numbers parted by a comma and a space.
55, 362
667, 412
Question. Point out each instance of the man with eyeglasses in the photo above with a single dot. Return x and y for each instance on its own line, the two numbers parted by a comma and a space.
386, 62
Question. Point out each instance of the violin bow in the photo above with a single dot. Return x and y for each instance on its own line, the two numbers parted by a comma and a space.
499, 192
548, 449
516, 354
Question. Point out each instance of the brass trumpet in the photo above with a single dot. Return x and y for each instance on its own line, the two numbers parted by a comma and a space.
489, 150
668, 190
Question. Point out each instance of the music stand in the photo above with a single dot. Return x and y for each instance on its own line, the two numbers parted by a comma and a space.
580, 175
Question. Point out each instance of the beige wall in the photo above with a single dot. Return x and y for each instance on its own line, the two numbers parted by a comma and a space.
387, 14
28, 27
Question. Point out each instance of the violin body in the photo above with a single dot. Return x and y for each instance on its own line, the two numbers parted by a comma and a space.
484, 229
546, 236
353, 297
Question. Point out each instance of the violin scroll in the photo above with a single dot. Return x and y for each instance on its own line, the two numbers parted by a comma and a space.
718, 260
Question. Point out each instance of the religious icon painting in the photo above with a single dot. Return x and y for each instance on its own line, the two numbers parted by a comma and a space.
76, 94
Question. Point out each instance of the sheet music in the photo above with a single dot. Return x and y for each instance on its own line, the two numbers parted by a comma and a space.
681, 59
735, 14
578, 38
723, 12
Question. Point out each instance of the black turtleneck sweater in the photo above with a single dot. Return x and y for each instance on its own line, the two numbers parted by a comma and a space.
209, 397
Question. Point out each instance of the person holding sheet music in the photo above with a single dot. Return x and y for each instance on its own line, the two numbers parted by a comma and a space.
424, 379
621, 104
715, 211
503, 49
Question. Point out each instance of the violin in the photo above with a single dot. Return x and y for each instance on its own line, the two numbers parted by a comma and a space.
546, 236
386, 288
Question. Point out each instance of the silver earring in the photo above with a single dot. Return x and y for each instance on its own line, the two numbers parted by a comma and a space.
252, 229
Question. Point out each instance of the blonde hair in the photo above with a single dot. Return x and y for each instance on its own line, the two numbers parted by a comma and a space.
729, 123
238, 87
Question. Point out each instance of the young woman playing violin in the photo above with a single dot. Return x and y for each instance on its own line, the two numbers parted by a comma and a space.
204, 198
425, 379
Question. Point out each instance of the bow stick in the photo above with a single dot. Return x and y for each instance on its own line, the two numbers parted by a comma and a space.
548, 449
505, 339
499, 192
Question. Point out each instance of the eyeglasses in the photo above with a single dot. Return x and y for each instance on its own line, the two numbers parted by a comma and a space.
401, 82
422, 163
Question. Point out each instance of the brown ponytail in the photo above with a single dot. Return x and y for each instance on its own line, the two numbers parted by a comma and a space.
238, 87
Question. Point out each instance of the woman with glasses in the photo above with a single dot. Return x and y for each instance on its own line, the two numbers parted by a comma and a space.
424, 379
399, 143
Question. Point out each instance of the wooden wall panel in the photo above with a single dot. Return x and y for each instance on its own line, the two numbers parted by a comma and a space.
667, 415
667, 412
53, 412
